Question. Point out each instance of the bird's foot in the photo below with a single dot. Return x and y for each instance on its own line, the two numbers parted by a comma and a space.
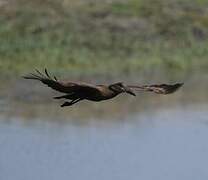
66, 104
71, 102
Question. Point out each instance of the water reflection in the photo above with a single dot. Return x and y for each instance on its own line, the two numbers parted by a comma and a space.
109, 111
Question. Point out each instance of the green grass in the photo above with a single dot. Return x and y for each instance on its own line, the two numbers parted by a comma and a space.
84, 37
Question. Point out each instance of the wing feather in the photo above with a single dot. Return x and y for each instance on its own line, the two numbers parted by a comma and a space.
158, 88
62, 86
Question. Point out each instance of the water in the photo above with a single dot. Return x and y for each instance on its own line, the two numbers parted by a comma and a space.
147, 137
167, 143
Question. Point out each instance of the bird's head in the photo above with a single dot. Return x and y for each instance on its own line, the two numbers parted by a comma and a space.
121, 88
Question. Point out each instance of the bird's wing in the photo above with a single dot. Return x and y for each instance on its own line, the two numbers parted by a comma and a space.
158, 88
61, 86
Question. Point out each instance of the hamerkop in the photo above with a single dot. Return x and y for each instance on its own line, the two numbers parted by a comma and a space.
78, 91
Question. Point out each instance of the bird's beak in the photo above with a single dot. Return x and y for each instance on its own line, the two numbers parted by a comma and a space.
130, 91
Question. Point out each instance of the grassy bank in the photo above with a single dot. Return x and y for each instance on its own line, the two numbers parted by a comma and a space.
103, 37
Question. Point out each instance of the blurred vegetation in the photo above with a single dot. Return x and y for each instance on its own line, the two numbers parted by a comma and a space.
103, 36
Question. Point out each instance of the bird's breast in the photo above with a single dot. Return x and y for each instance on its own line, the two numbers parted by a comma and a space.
102, 94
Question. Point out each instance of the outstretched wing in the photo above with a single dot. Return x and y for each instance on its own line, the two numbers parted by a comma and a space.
158, 88
61, 86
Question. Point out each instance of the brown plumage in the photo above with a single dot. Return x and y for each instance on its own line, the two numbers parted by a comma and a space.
78, 91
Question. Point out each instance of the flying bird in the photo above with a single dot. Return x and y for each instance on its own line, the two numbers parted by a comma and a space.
78, 91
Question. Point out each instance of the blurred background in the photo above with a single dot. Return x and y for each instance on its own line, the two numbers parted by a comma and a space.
104, 41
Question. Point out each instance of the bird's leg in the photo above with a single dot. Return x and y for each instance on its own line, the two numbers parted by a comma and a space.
71, 102
67, 96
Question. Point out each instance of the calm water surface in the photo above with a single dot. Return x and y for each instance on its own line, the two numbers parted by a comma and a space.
163, 144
